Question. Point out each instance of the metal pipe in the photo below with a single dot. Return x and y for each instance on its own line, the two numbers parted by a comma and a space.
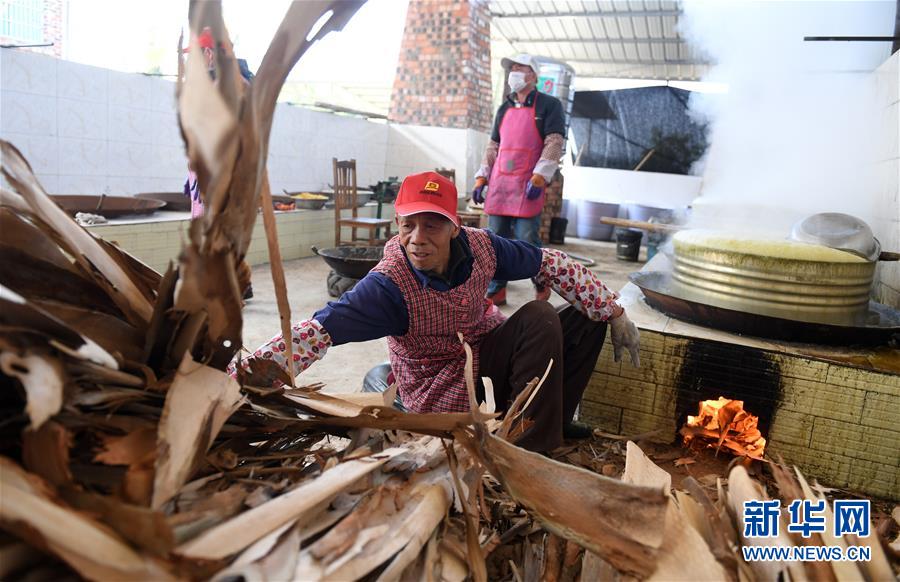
852, 38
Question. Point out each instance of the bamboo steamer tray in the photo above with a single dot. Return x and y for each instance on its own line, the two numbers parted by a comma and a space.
777, 278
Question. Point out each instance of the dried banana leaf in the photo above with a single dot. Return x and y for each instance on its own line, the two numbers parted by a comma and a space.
42, 377
17, 313
198, 403
684, 555
112, 334
81, 244
240, 532
17, 232
640, 470
29, 509
45, 452
742, 488
141, 526
617, 521
408, 513
37, 279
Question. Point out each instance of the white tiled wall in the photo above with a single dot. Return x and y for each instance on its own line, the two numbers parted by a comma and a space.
88, 130
887, 226
417, 148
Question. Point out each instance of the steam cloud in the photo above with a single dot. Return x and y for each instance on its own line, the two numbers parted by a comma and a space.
800, 130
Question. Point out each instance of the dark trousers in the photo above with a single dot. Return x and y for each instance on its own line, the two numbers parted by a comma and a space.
523, 229
519, 350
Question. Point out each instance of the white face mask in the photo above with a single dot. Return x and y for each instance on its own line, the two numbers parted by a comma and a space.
516, 80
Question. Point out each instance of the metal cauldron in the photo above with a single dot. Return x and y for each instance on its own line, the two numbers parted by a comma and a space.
351, 262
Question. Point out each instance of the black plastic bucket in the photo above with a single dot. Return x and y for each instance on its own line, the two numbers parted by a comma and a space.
628, 244
558, 228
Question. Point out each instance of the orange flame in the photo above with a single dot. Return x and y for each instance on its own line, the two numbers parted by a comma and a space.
724, 422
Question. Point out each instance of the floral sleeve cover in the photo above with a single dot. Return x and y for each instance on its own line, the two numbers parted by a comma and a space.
310, 342
576, 284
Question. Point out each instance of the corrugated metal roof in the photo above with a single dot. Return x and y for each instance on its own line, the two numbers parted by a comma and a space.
634, 39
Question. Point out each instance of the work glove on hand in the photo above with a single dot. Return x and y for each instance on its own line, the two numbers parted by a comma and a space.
625, 336
478, 191
535, 187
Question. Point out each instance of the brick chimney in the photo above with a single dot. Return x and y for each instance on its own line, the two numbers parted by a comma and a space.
444, 70
34, 23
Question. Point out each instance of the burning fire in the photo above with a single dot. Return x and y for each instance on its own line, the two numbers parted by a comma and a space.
725, 422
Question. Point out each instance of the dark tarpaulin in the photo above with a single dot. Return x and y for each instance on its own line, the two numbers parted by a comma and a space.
616, 129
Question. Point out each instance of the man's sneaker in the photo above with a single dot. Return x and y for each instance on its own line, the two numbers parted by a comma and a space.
542, 294
576, 431
498, 298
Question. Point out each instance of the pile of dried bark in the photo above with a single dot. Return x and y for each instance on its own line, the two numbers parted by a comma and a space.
126, 451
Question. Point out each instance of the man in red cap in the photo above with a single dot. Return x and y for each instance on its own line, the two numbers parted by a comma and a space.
430, 286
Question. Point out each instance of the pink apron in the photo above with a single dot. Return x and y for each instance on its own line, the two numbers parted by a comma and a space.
194, 193
520, 150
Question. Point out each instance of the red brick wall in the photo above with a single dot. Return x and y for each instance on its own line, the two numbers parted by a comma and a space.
53, 26
444, 71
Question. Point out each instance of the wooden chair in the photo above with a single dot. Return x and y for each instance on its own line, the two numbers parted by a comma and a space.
345, 198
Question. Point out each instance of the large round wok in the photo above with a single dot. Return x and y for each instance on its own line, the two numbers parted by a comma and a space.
352, 262
875, 326
108, 206
175, 201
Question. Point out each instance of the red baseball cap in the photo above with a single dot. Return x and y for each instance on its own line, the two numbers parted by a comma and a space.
427, 192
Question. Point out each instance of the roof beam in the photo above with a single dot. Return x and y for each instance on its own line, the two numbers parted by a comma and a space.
648, 63
603, 40
589, 14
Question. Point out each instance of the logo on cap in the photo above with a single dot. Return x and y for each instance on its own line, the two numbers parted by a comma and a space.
432, 186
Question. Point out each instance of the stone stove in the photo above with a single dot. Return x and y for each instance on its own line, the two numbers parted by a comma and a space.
835, 413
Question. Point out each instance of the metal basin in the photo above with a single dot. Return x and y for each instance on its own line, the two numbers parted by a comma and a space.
307, 203
352, 262
838, 231
779, 279
108, 206
300, 203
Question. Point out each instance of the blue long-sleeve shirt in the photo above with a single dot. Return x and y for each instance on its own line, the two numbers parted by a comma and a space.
375, 307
